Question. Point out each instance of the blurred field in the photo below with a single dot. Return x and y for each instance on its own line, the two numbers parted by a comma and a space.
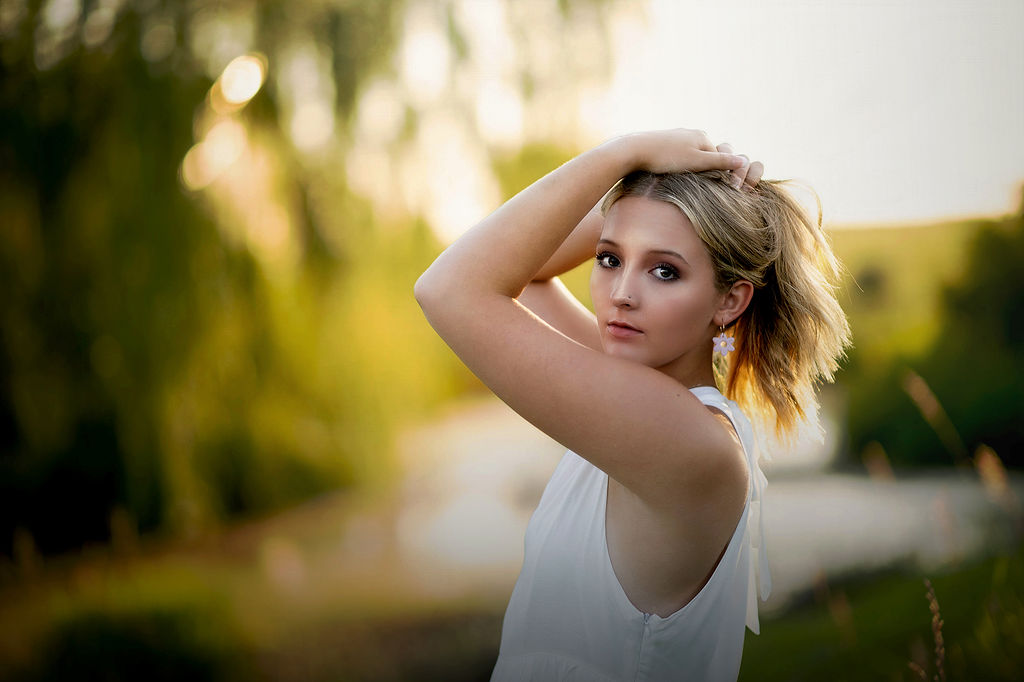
871, 627
895, 278
213, 612
249, 601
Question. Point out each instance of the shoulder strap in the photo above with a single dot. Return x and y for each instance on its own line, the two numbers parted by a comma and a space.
760, 576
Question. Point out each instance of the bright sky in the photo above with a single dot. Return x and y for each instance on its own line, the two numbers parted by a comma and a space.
902, 111
893, 111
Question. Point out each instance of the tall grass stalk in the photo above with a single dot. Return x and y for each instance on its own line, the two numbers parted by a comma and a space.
940, 647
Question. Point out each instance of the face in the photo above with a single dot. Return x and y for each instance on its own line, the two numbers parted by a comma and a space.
653, 288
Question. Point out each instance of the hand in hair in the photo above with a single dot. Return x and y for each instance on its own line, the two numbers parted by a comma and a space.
749, 173
678, 150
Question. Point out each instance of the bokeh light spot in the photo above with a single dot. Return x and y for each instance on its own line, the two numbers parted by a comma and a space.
312, 125
242, 79
205, 162
158, 42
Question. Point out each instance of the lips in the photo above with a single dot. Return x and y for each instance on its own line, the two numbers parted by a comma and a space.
622, 330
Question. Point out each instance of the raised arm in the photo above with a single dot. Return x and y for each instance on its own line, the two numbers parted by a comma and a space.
577, 248
548, 298
640, 426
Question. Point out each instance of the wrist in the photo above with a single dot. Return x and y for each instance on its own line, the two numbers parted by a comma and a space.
625, 153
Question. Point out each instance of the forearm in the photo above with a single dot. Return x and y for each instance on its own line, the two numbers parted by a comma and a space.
577, 248
503, 253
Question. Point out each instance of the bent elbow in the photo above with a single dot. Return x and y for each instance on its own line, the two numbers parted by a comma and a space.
427, 290
421, 290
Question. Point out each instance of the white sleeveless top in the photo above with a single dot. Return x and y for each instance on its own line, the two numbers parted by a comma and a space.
568, 618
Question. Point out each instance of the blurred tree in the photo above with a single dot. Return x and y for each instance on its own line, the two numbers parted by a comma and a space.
115, 284
975, 364
970, 394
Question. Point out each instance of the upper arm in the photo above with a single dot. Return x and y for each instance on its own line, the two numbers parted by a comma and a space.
734, 474
552, 302
643, 428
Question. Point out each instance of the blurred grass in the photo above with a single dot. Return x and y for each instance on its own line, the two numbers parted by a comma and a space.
920, 299
211, 612
176, 643
871, 627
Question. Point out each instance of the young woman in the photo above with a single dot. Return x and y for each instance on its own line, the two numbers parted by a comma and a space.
645, 555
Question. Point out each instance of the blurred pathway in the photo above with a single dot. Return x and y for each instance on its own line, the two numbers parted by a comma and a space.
473, 478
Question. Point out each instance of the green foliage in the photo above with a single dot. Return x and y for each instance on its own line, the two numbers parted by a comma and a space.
892, 289
871, 628
879, 410
151, 359
174, 643
518, 171
98, 303
982, 337
969, 362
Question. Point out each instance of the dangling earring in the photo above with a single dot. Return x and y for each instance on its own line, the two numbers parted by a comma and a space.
723, 343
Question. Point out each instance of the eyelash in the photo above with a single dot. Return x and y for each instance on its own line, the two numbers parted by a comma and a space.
673, 272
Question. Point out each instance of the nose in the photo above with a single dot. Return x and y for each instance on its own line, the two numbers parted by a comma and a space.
622, 295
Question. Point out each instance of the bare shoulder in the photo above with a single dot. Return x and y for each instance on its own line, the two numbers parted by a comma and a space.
712, 507
718, 494
731, 478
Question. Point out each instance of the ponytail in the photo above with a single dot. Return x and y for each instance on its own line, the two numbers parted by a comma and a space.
794, 332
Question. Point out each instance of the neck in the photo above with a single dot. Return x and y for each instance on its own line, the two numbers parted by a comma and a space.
691, 372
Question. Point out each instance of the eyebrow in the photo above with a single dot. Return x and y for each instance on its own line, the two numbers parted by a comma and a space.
664, 251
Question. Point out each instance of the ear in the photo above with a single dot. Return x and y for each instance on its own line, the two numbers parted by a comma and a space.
734, 302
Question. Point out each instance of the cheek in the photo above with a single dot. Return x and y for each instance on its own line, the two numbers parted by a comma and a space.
685, 314
598, 286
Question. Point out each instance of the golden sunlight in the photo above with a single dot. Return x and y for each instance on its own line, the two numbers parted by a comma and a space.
425, 57
208, 159
241, 80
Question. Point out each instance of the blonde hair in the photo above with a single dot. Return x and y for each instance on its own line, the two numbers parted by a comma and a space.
793, 333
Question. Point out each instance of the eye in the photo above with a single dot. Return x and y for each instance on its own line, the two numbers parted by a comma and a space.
607, 260
665, 272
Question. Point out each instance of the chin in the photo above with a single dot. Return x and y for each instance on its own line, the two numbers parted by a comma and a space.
627, 354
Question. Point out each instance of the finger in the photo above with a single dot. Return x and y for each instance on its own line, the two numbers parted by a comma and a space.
740, 174
707, 156
737, 173
754, 173
718, 161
